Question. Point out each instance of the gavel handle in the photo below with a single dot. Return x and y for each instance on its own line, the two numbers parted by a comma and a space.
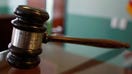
91, 42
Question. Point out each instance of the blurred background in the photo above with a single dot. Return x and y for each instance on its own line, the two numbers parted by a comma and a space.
107, 19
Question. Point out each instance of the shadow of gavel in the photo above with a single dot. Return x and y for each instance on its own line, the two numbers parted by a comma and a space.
29, 33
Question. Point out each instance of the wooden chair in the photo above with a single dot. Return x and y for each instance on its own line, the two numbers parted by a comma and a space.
5, 31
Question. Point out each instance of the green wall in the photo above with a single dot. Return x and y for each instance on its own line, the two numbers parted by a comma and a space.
4, 10
8, 6
4, 7
95, 27
80, 22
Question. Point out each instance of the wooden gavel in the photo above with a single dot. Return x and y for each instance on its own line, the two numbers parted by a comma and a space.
29, 33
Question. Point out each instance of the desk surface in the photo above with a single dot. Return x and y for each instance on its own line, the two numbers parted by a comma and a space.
55, 60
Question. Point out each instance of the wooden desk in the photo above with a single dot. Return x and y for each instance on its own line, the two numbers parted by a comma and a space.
55, 60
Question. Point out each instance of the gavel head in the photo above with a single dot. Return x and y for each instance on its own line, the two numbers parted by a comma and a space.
28, 30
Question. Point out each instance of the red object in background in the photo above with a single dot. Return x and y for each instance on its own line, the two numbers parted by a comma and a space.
58, 14
130, 2
58, 17
37, 3
129, 7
